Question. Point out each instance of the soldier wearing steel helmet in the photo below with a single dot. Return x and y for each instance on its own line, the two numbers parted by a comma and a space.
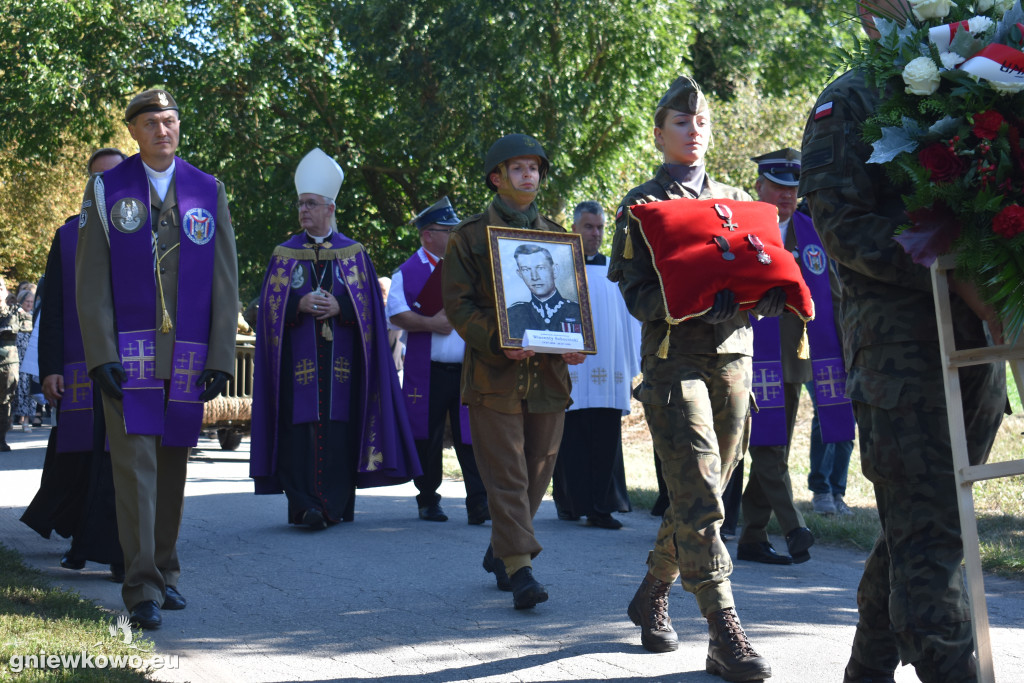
516, 398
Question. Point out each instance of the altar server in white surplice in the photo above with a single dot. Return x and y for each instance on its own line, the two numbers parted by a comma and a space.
589, 478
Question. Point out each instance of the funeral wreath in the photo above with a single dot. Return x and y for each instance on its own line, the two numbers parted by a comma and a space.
948, 129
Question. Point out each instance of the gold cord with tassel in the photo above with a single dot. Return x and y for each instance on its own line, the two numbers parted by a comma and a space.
803, 352
663, 347
165, 322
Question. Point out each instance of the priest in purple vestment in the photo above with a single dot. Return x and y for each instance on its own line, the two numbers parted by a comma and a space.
327, 414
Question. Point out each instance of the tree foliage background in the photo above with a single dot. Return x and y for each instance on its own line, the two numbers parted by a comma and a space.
406, 95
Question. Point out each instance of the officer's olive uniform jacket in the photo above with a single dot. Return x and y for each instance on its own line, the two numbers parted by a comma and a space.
886, 297
641, 289
96, 298
489, 378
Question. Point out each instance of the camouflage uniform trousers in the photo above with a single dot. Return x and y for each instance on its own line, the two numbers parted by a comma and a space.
8, 393
699, 437
911, 597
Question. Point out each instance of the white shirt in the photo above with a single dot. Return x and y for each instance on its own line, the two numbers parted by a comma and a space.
444, 348
784, 229
604, 380
161, 179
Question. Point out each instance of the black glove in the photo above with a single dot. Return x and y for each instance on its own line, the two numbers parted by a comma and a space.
772, 304
217, 381
109, 377
724, 309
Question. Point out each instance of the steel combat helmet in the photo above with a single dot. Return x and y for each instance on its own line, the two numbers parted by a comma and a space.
510, 147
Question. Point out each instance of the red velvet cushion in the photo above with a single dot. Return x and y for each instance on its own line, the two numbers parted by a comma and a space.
681, 235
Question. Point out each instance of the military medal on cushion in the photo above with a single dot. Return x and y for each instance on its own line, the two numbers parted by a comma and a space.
762, 255
723, 244
725, 213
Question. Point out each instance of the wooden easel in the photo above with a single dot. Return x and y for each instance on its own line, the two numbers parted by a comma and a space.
965, 473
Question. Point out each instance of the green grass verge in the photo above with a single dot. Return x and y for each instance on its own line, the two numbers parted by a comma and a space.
38, 619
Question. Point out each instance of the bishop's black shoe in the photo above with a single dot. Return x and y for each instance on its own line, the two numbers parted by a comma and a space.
314, 519
433, 513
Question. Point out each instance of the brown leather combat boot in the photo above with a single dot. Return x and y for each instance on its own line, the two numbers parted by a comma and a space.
649, 611
730, 654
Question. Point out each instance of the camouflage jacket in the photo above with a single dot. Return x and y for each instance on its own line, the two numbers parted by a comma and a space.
886, 298
640, 287
489, 378
10, 325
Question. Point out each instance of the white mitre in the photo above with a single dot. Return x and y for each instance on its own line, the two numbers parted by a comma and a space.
319, 174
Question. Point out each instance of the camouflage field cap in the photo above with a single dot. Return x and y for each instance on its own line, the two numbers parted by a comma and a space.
686, 96
149, 100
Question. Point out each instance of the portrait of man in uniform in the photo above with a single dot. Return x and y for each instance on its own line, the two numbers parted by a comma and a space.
541, 284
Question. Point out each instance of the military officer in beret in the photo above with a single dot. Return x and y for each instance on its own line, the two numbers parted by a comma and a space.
157, 296
696, 400
516, 398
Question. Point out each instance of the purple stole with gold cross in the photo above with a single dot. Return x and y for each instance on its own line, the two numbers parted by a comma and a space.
75, 419
416, 368
835, 412
177, 417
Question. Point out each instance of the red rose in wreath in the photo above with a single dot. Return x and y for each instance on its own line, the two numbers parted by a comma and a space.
986, 124
942, 164
1009, 221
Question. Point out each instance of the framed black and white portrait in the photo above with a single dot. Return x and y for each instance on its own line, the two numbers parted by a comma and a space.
540, 284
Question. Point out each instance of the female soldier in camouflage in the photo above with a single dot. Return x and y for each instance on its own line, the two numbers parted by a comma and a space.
696, 401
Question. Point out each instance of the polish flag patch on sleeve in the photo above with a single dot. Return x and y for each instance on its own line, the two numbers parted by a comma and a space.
823, 111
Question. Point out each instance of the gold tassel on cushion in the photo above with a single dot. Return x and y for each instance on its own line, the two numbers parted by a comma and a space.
663, 347
627, 248
803, 352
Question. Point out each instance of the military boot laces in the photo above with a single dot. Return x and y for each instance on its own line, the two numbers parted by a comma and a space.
730, 654
649, 611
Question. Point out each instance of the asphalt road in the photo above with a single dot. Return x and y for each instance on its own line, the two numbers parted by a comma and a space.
394, 599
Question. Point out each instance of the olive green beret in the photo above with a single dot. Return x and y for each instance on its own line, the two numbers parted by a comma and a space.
684, 95
149, 100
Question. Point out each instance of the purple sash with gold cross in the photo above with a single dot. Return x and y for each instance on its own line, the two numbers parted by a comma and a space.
177, 417
768, 423
416, 367
75, 419
835, 412
387, 452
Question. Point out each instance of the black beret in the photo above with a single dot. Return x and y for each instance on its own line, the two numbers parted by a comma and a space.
149, 100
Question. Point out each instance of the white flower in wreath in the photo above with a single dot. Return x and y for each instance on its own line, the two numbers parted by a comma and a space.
931, 9
1003, 6
983, 5
951, 60
978, 26
1006, 88
921, 76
